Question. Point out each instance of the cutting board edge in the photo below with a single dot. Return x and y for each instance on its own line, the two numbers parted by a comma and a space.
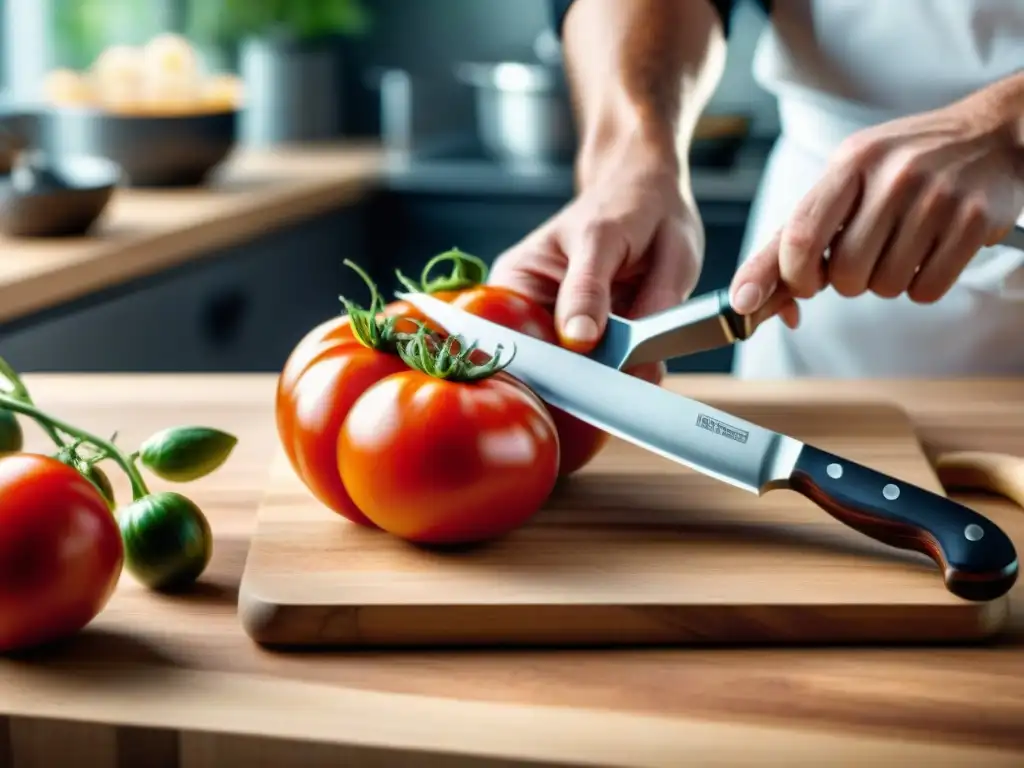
271, 622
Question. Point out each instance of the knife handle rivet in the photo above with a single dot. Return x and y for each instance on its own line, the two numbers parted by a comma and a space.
973, 532
891, 492
835, 471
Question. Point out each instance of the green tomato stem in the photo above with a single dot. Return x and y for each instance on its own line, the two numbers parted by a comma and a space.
369, 327
467, 271
21, 392
424, 352
139, 488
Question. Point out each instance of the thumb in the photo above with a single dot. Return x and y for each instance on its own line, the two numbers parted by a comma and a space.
584, 299
756, 279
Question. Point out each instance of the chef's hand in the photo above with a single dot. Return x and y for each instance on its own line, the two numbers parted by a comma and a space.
902, 207
630, 243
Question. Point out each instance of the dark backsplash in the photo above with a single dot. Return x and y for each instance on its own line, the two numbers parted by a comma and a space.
429, 37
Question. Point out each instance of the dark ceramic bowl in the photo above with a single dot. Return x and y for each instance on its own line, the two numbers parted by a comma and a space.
63, 209
151, 150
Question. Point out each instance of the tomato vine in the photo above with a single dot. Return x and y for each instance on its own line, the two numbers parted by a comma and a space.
53, 426
167, 540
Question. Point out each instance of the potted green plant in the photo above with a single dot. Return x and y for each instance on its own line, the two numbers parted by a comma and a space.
290, 58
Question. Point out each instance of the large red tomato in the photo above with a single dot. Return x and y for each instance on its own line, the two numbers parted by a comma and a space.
438, 461
466, 288
323, 376
579, 441
329, 368
61, 553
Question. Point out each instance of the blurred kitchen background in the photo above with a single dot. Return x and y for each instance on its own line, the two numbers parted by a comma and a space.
464, 95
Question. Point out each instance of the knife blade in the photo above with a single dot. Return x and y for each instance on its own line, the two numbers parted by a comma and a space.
978, 560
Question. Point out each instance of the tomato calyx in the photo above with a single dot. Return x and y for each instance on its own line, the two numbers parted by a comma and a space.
467, 271
370, 326
84, 457
449, 359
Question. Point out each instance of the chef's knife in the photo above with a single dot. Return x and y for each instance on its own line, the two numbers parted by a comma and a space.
698, 324
978, 560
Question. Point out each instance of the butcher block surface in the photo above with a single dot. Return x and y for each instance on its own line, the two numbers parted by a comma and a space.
173, 681
632, 549
146, 231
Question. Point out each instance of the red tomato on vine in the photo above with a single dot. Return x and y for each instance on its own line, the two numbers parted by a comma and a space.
61, 552
580, 442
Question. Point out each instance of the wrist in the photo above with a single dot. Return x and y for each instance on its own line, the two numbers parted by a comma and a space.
641, 142
1010, 96
1000, 109
1015, 136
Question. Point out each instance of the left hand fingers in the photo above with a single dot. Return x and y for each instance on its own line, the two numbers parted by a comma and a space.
967, 233
796, 255
916, 237
756, 279
864, 240
814, 225
756, 287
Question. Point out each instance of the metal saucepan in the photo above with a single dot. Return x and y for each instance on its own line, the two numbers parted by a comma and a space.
523, 111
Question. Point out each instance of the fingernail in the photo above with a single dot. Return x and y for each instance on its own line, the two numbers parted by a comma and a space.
581, 328
747, 298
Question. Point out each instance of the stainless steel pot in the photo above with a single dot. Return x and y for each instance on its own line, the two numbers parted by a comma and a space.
292, 90
524, 114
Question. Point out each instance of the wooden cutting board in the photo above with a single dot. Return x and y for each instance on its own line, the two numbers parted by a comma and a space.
633, 549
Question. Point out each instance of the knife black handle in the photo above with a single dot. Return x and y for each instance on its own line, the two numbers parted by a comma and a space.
977, 558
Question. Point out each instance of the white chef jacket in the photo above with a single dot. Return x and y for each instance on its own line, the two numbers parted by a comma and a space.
837, 66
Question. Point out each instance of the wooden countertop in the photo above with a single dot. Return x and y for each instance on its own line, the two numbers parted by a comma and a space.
145, 231
174, 681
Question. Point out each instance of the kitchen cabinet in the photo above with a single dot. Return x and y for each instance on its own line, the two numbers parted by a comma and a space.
240, 310
244, 309
410, 227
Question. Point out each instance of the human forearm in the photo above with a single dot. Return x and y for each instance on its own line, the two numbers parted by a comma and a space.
999, 108
641, 71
